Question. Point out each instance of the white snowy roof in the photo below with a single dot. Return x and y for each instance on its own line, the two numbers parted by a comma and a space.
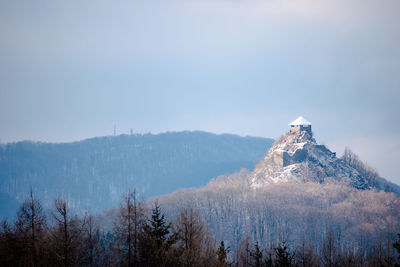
299, 121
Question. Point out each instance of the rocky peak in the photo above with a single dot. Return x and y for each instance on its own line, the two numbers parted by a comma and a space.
292, 141
296, 157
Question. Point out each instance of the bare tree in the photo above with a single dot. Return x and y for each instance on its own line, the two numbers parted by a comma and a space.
128, 225
330, 251
66, 234
193, 239
10, 246
243, 254
305, 256
30, 224
90, 252
364, 169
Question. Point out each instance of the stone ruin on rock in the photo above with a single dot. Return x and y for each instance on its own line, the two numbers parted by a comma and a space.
300, 124
300, 128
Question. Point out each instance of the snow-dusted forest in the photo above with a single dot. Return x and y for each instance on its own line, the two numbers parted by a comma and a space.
279, 225
294, 213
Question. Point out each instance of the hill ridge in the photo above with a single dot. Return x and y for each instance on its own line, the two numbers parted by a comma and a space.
94, 173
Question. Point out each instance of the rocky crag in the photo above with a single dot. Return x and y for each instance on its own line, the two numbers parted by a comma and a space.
297, 157
299, 191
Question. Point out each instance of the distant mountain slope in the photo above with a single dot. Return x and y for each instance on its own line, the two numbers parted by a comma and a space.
93, 173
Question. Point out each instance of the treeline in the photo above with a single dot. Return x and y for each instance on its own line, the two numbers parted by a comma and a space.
60, 238
143, 236
250, 254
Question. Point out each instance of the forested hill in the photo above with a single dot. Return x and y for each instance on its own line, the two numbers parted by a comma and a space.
94, 173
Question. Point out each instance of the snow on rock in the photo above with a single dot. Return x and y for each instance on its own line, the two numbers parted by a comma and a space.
297, 157
299, 121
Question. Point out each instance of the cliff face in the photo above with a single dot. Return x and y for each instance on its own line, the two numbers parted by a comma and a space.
297, 157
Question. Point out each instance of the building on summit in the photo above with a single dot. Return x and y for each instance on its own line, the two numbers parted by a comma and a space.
300, 124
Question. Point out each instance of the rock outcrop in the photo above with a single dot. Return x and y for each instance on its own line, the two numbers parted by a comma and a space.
296, 157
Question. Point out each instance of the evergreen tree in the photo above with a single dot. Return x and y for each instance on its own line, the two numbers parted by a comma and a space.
257, 256
157, 227
222, 254
268, 261
282, 256
155, 240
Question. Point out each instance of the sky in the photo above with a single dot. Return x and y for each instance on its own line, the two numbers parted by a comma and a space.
71, 70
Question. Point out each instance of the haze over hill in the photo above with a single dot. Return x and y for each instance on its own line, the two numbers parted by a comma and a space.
94, 173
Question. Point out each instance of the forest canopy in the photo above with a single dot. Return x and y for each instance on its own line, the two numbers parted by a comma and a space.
286, 224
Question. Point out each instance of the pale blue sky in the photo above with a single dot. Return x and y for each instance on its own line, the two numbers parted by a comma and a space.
69, 70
